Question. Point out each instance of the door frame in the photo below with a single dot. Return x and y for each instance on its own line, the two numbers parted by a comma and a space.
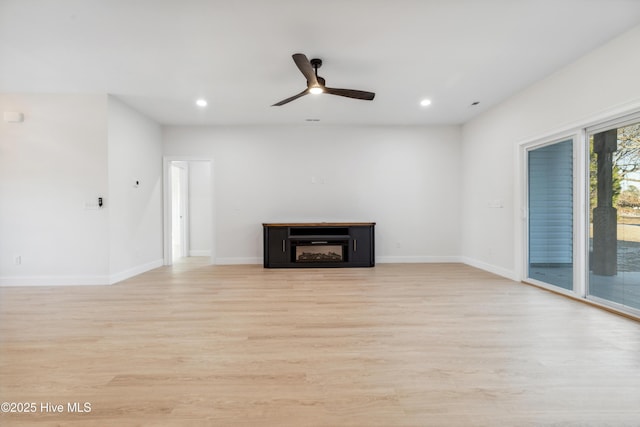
579, 240
167, 205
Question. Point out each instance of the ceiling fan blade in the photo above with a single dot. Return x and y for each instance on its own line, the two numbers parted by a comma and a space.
350, 93
294, 97
304, 65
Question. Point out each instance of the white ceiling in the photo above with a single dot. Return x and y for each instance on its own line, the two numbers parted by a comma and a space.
160, 55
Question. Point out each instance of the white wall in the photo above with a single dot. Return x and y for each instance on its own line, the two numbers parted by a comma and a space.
53, 167
135, 212
406, 179
601, 84
70, 150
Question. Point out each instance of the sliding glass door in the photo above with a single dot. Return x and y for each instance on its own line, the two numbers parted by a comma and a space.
614, 215
550, 219
582, 229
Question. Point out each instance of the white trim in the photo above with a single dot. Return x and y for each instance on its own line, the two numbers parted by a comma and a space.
238, 260
581, 214
131, 272
509, 274
79, 280
53, 281
616, 122
607, 115
200, 253
380, 260
417, 259
519, 212
166, 210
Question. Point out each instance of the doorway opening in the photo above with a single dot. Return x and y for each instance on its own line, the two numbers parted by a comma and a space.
188, 209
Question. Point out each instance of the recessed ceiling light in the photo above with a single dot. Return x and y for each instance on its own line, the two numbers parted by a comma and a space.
425, 102
201, 102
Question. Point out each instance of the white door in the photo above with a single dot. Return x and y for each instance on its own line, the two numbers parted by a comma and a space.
179, 210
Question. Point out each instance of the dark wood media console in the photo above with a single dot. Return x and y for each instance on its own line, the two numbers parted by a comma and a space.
319, 244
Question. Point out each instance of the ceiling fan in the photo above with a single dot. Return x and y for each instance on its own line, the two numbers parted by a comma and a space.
316, 84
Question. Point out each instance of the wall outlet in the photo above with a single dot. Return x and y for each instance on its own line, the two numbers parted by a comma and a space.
19, 260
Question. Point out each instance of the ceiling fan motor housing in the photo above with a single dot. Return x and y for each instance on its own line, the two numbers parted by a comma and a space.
316, 63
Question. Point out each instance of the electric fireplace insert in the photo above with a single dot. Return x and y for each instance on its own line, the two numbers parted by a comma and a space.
319, 252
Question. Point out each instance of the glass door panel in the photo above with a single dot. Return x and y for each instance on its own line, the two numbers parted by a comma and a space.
614, 220
550, 206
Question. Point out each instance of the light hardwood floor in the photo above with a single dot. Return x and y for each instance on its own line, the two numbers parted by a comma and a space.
394, 345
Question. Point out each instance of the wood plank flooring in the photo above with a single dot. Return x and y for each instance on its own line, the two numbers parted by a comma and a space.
394, 345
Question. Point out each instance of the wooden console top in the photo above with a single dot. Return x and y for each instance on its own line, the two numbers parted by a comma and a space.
317, 224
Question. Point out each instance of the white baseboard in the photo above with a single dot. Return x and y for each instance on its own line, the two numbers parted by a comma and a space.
239, 260
199, 253
79, 280
118, 277
450, 259
381, 260
417, 259
54, 281
126, 274
509, 274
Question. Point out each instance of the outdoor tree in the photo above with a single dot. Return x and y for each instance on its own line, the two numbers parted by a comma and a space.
629, 198
627, 157
626, 164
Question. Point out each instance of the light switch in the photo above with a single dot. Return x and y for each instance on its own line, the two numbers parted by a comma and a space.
13, 117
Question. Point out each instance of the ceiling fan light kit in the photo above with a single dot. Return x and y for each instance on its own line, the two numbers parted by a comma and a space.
316, 84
